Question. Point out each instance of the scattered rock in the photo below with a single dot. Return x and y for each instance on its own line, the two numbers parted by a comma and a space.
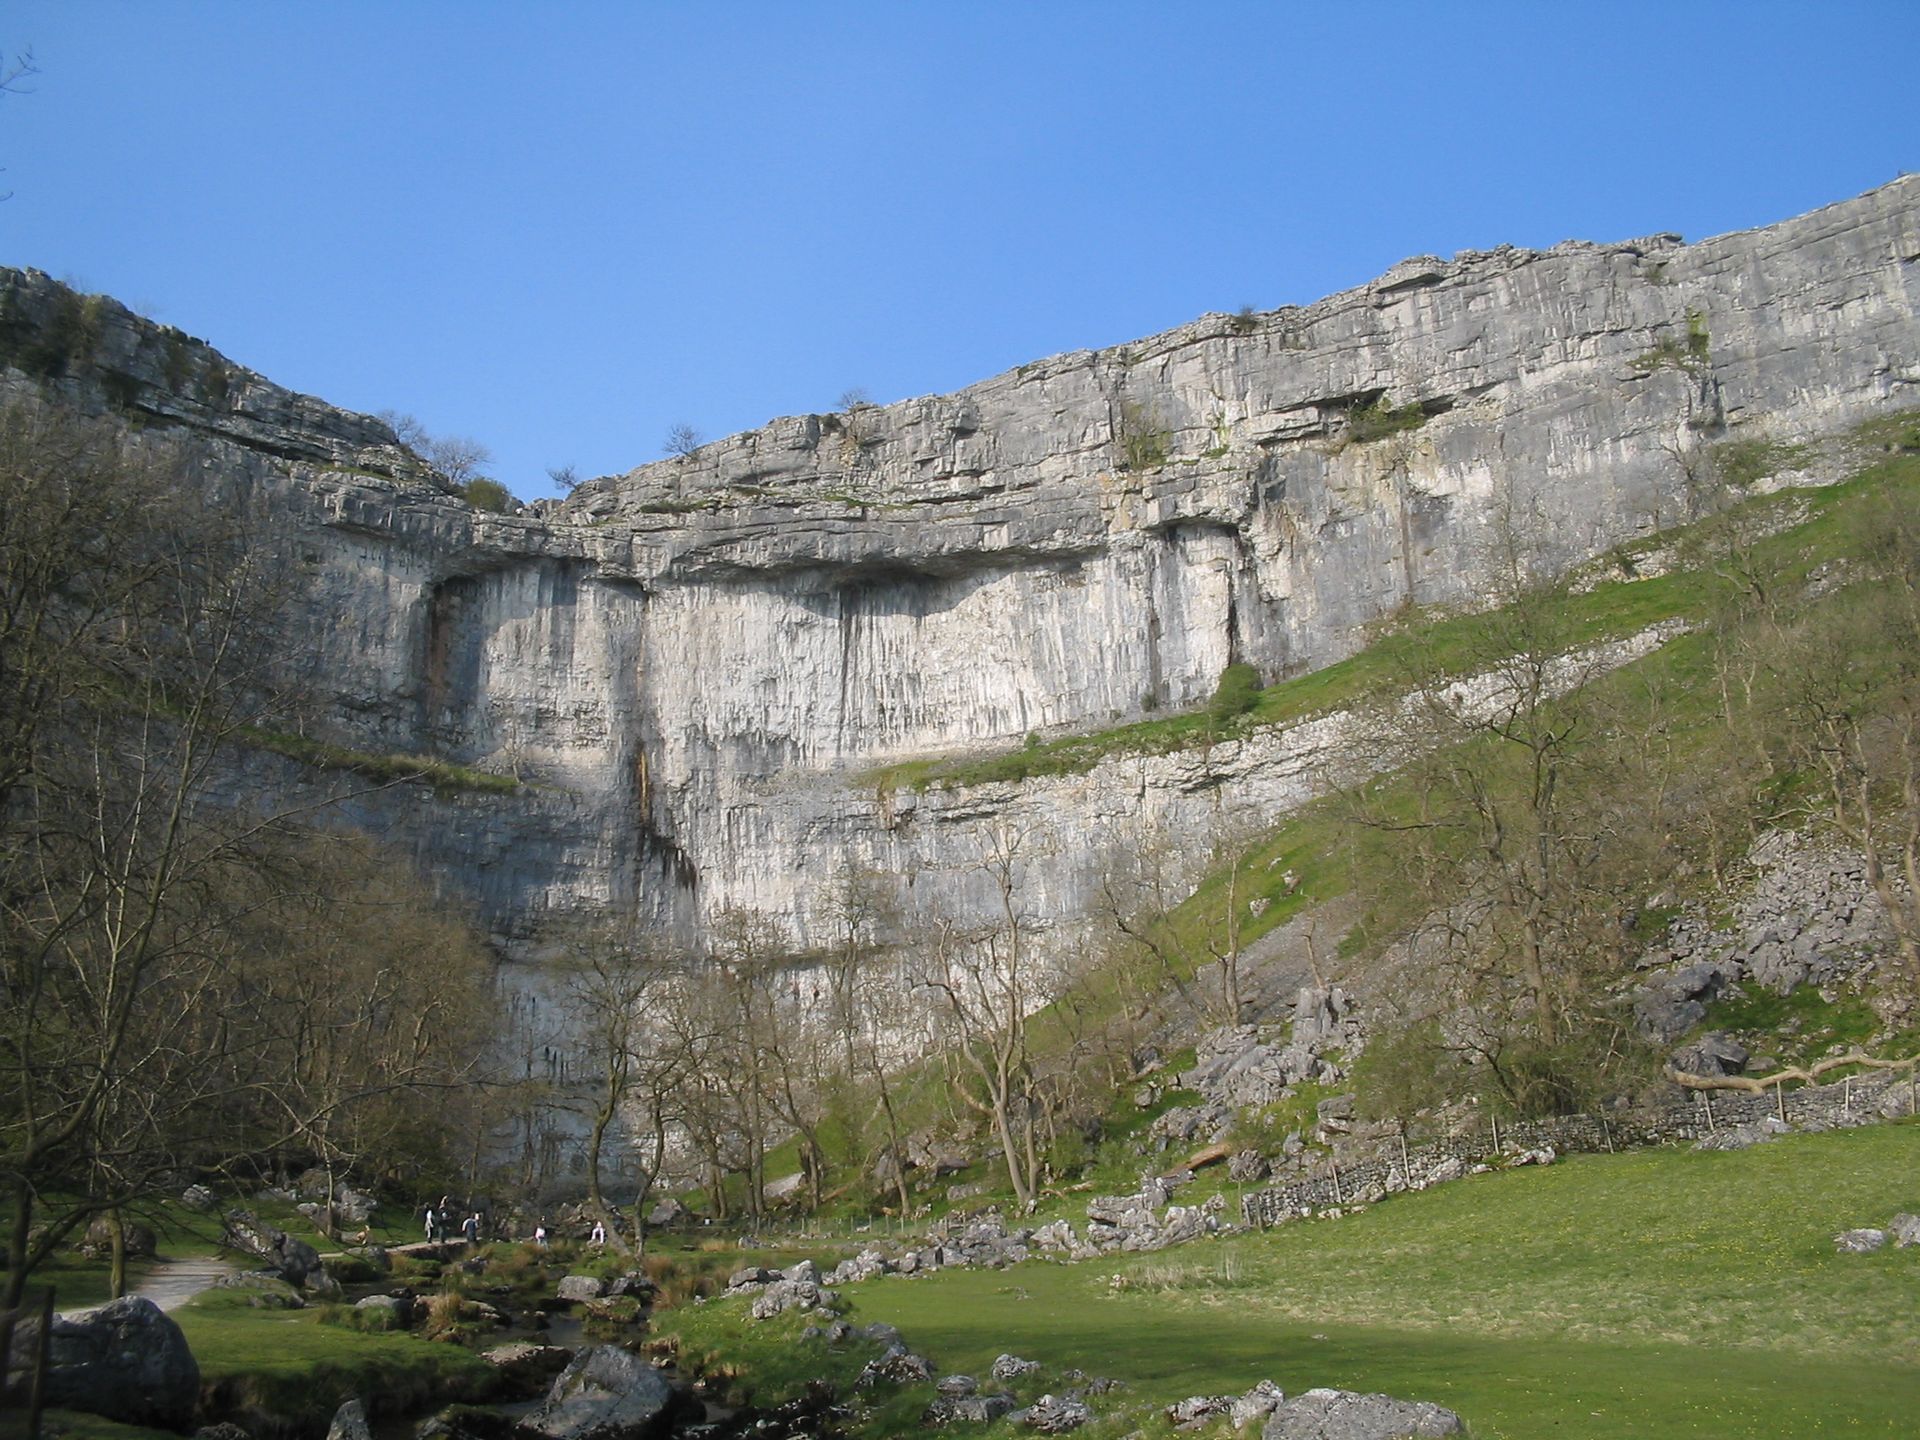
1905, 1230
200, 1198
1255, 1404
1012, 1367
1859, 1242
1197, 1410
581, 1287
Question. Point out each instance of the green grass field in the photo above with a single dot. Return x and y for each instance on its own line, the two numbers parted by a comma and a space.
1657, 1293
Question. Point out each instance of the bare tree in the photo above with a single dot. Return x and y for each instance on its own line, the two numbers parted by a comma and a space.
682, 440
986, 988
458, 457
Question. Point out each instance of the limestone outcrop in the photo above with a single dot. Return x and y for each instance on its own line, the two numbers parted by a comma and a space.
688, 675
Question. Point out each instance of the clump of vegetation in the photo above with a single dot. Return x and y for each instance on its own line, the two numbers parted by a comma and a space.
1145, 440
443, 775
1378, 420
1236, 694
488, 495
1692, 351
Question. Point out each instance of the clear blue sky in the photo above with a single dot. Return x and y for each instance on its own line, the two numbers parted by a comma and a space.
563, 228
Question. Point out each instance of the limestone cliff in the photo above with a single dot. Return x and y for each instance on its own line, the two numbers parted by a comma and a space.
696, 667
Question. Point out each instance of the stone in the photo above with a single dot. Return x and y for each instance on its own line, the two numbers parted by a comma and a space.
1255, 1404
1012, 1367
1905, 1230
1053, 1415
969, 1409
1345, 1415
1714, 1053
528, 1365
349, 1423
400, 1307
139, 1239
266, 1289
198, 1197
898, 1366
127, 1361
1860, 1242
576, 1288
294, 1260
667, 1212
606, 1393
1197, 1410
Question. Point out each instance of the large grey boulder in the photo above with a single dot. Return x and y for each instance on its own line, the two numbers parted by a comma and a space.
350, 1423
1344, 1415
127, 1361
581, 1287
606, 1393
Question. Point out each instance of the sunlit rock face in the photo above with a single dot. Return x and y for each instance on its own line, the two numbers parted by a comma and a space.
697, 668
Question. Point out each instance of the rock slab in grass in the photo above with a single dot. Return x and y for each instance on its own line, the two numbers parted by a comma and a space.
606, 1393
1344, 1415
126, 1361
581, 1287
1905, 1230
969, 1409
1859, 1242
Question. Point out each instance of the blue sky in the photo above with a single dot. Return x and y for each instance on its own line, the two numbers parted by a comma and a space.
564, 228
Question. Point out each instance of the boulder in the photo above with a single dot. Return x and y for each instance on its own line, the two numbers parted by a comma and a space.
266, 1290
140, 1239
400, 1307
898, 1366
1905, 1230
293, 1259
1256, 1404
1859, 1242
126, 1361
667, 1212
1712, 1054
1197, 1410
1739, 1137
606, 1393
528, 1367
198, 1197
581, 1287
1053, 1415
1012, 1367
349, 1423
969, 1409
1344, 1415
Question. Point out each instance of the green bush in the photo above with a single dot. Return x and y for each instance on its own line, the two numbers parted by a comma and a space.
488, 495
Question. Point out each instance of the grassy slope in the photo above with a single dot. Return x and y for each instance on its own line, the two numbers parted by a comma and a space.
289, 1364
1659, 1293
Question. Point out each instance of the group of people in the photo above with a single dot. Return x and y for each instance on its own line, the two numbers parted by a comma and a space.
438, 1218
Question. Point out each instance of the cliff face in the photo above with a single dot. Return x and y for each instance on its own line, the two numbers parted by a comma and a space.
697, 666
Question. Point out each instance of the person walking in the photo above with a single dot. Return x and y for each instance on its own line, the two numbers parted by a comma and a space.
470, 1227
431, 1221
599, 1236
